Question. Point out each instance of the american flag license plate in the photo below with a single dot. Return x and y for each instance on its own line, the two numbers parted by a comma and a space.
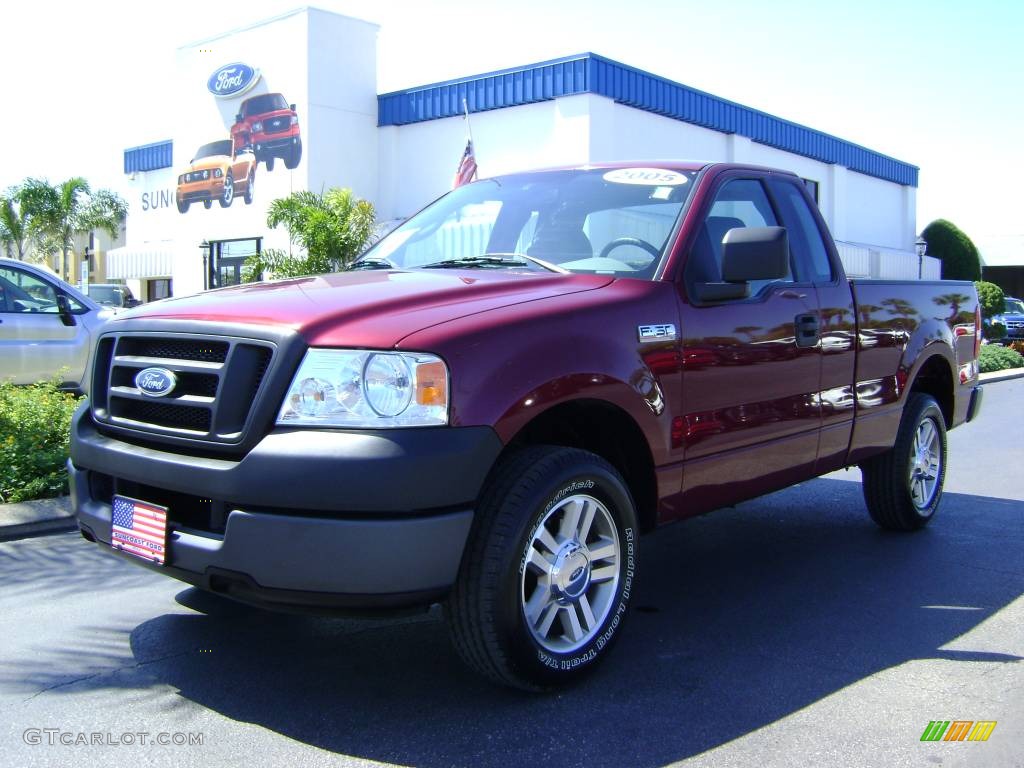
139, 528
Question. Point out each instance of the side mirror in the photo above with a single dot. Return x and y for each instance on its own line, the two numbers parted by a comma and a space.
64, 310
755, 253
291, 107
748, 254
238, 117
132, 303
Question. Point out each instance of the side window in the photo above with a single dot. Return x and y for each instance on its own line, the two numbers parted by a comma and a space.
804, 236
22, 292
739, 203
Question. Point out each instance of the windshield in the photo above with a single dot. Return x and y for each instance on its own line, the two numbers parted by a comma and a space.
597, 221
1013, 306
214, 148
265, 103
110, 295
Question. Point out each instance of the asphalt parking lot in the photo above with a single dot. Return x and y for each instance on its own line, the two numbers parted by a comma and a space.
788, 631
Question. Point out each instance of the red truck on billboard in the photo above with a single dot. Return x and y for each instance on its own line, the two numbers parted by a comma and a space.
494, 402
270, 126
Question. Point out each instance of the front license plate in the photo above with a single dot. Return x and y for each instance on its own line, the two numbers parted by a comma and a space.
139, 528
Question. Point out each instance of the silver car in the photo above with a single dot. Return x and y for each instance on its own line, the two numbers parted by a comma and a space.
46, 326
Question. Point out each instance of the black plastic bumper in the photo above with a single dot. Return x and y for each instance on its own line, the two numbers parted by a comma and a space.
314, 518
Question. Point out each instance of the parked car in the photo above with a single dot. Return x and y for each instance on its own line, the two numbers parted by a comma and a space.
1012, 318
491, 422
217, 172
112, 295
46, 326
270, 125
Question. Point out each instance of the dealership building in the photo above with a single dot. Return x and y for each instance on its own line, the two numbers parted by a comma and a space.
291, 104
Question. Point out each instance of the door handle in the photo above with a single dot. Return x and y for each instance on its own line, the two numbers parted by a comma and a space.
808, 331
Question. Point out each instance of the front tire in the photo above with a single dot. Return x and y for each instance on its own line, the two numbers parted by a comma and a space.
903, 486
228, 195
546, 579
249, 186
291, 162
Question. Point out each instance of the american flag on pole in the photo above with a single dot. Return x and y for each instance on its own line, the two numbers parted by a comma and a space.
139, 528
467, 167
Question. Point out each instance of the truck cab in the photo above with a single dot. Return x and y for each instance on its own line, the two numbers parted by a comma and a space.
269, 125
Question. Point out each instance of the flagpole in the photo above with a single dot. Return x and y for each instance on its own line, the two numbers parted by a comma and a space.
469, 130
469, 126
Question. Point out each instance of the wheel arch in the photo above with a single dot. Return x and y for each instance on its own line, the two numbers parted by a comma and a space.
607, 430
934, 376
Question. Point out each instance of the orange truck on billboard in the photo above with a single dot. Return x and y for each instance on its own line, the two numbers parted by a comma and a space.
217, 172
270, 125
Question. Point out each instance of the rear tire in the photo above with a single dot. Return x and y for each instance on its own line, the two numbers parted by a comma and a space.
548, 571
903, 486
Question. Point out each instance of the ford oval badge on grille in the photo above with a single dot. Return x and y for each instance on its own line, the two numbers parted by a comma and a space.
155, 382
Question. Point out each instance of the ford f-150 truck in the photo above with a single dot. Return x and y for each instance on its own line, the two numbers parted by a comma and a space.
490, 406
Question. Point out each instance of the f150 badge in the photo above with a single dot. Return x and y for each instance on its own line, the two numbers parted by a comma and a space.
662, 332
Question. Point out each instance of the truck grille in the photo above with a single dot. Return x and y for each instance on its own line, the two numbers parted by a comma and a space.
277, 124
216, 384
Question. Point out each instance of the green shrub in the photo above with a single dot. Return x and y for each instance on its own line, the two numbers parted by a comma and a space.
991, 298
35, 424
997, 358
959, 255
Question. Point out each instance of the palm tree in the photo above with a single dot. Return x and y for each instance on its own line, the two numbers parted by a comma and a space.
332, 229
15, 223
60, 212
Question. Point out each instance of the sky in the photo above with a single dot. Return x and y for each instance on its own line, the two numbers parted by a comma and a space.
937, 84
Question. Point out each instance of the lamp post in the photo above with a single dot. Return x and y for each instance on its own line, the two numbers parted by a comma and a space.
921, 246
204, 248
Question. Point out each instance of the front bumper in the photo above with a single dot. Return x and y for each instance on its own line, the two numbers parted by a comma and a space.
211, 190
307, 518
275, 144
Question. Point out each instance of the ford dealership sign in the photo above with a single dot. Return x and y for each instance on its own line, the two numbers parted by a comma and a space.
232, 79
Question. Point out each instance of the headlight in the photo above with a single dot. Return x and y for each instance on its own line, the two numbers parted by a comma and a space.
294, 120
217, 173
369, 390
257, 126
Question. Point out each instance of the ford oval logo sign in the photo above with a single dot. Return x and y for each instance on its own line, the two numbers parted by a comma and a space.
232, 79
155, 382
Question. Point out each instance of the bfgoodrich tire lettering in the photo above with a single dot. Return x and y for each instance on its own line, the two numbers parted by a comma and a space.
903, 486
550, 518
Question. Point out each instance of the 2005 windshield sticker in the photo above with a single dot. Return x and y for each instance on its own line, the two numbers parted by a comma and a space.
651, 177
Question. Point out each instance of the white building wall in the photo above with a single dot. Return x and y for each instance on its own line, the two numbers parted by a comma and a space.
418, 161
342, 123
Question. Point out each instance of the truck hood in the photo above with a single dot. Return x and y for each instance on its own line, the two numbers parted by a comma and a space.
375, 309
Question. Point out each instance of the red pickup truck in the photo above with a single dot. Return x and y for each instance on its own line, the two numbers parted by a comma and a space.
491, 405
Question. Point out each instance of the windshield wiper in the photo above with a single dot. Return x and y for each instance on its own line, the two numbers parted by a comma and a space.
496, 260
370, 264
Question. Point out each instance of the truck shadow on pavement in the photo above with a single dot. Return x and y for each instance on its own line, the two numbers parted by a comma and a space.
740, 618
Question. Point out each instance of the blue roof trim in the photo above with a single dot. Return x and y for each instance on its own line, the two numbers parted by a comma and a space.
590, 73
149, 157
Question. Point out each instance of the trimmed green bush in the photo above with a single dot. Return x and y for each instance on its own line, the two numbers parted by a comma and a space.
35, 423
991, 298
959, 256
994, 357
